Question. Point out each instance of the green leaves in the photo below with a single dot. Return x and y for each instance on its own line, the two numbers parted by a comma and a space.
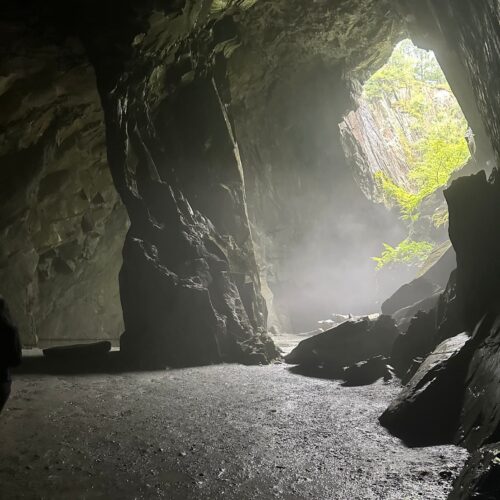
431, 137
408, 252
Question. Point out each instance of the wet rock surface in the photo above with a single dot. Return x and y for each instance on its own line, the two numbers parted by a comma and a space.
213, 432
480, 415
417, 342
480, 477
427, 409
405, 316
474, 212
367, 372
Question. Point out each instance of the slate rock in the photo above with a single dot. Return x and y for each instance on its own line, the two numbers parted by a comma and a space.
347, 344
480, 415
426, 411
480, 478
409, 294
449, 318
404, 317
414, 366
367, 372
474, 213
418, 341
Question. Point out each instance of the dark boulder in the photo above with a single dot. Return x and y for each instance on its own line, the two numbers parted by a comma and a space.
480, 477
409, 294
182, 305
418, 341
405, 316
347, 344
78, 352
449, 318
431, 282
427, 410
367, 372
412, 369
441, 262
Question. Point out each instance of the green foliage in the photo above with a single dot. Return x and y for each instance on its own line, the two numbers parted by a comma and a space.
431, 137
412, 83
407, 202
440, 218
408, 252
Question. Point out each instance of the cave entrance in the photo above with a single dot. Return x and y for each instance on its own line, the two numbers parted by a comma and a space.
380, 223
412, 137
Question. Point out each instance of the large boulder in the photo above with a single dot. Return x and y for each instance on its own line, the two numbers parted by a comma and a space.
405, 316
449, 320
430, 322
432, 280
417, 342
409, 294
480, 477
427, 410
347, 344
367, 372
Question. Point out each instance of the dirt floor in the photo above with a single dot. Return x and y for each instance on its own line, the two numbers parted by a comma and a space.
216, 432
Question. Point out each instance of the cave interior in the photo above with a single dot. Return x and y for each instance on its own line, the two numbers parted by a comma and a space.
190, 200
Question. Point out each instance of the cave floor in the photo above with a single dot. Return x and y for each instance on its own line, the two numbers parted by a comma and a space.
207, 433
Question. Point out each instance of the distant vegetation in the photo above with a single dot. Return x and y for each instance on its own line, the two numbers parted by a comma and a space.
407, 252
434, 144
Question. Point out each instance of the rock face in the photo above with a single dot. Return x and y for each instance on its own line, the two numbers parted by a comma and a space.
314, 230
427, 410
365, 134
417, 342
409, 294
480, 415
432, 280
61, 224
347, 344
367, 372
474, 212
480, 477
449, 320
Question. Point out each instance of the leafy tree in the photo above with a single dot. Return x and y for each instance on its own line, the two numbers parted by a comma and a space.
432, 140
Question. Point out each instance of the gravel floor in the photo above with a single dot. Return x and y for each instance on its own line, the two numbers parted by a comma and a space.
207, 433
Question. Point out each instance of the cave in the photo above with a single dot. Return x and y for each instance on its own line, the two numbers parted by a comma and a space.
194, 195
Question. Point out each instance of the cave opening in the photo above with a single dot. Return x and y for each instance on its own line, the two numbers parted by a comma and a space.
412, 139
405, 139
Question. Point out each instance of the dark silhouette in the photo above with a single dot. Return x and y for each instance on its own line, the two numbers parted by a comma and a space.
10, 351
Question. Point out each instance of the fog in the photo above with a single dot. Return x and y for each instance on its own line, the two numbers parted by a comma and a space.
328, 267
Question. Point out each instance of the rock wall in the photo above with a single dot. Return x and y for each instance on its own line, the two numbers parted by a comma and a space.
371, 143
314, 229
160, 71
61, 222
189, 282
